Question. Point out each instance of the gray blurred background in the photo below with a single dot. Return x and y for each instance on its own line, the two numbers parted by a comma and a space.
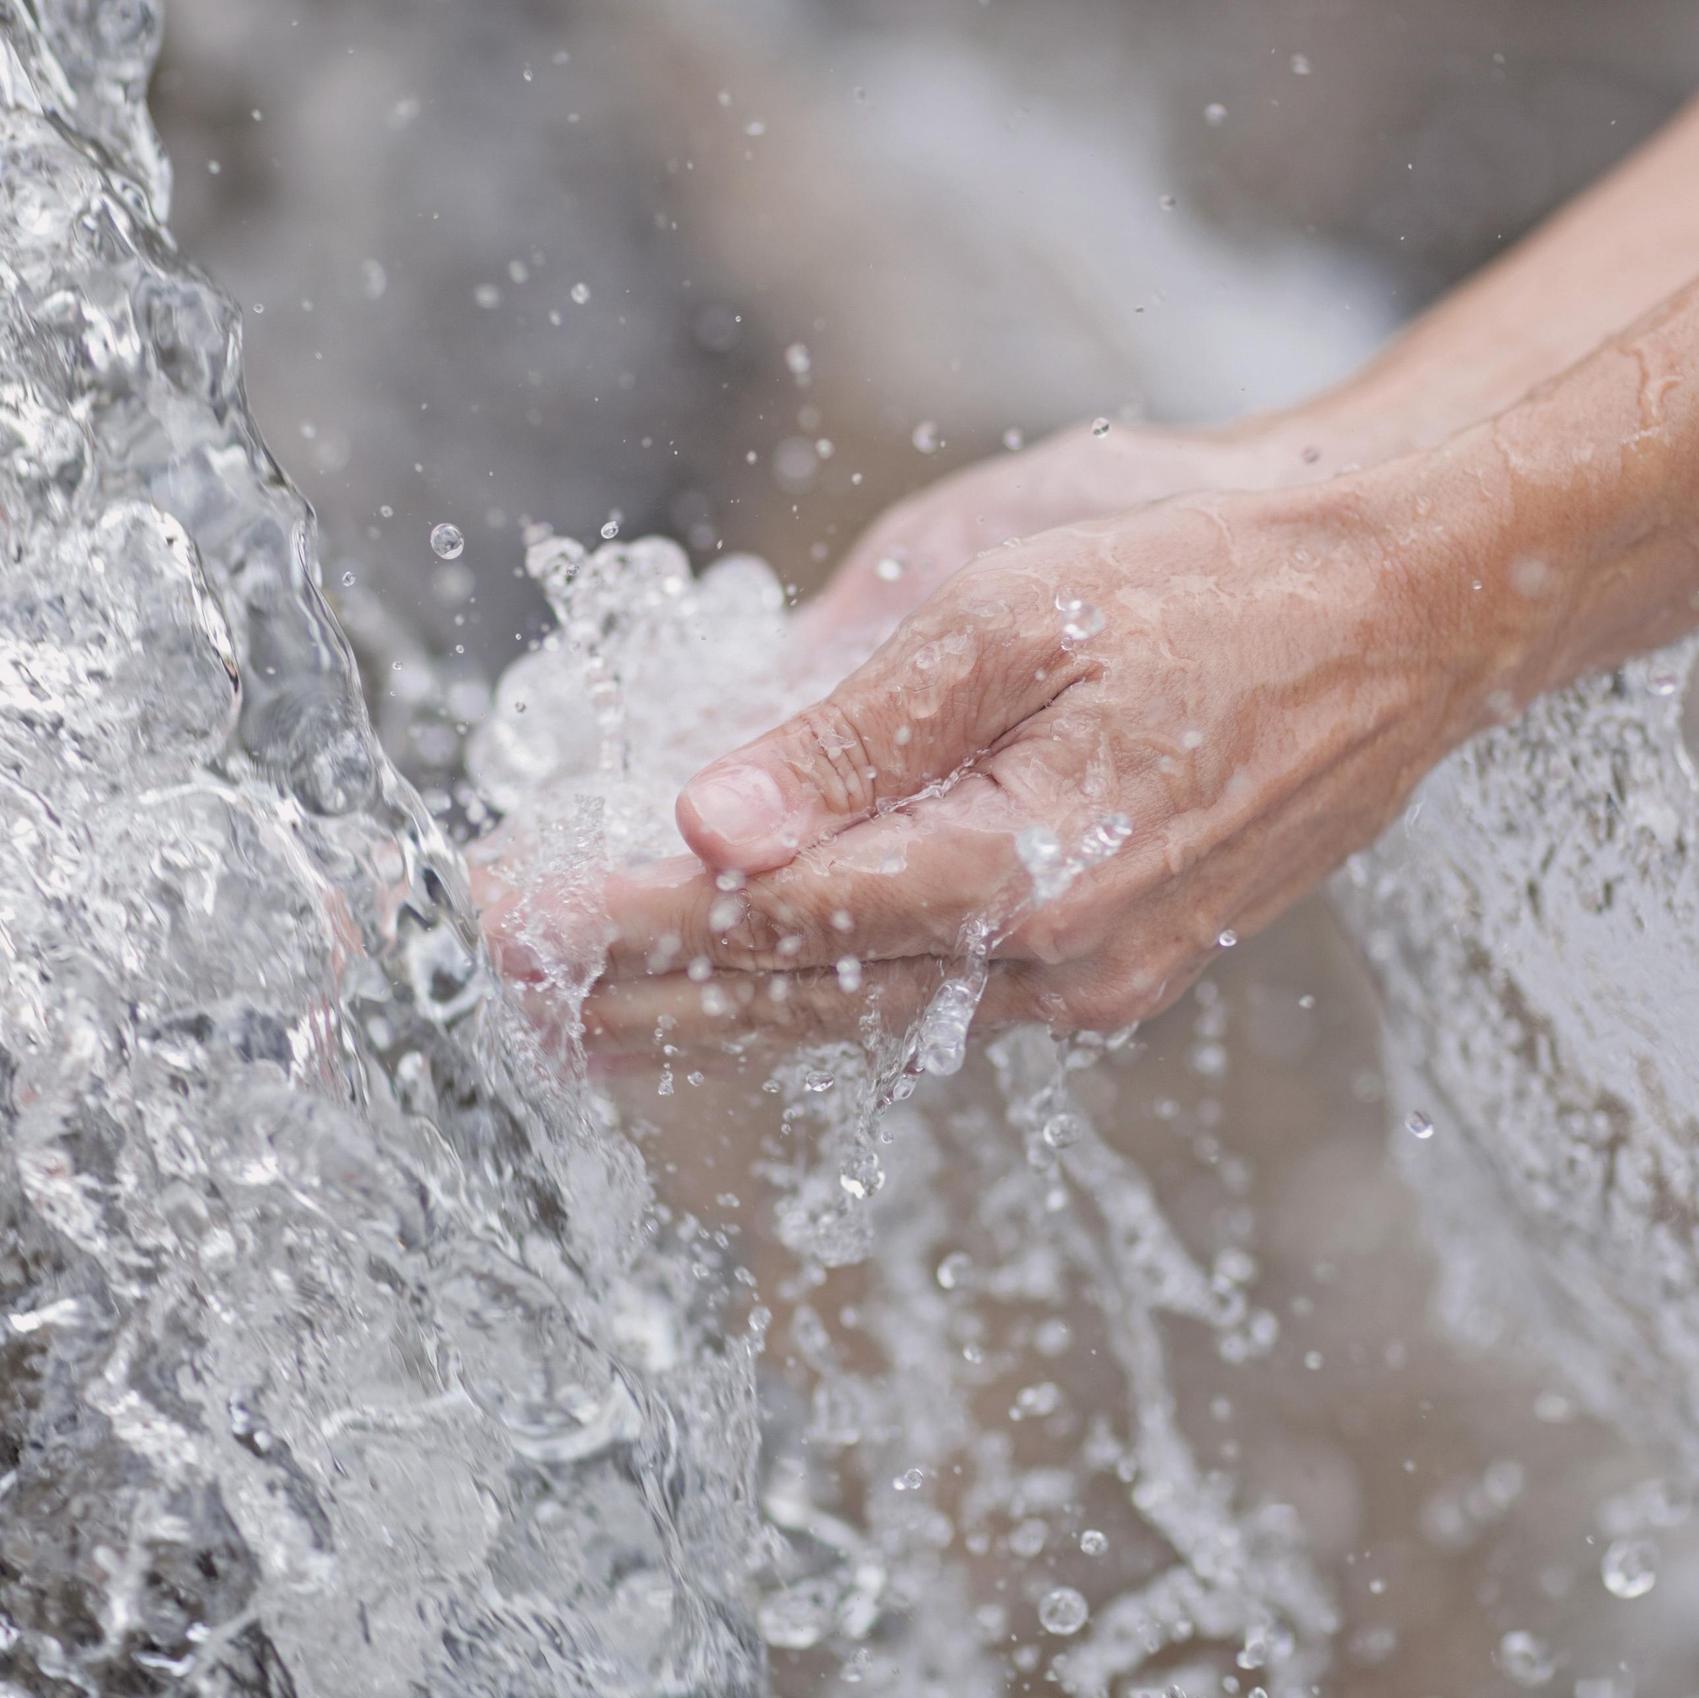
981, 214
530, 258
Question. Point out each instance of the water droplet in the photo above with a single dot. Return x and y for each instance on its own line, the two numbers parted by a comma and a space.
1014, 439
1630, 1568
1215, 114
487, 295
798, 360
374, 280
888, 568
580, 293
1061, 1130
1036, 1401
447, 542
849, 975
926, 437
610, 526
954, 1269
1100, 427
1080, 619
910, 1480
1525, 1659
1300, 65
818, 1082
1093, 1542
1063, 1611
1228, 938
1418, 1125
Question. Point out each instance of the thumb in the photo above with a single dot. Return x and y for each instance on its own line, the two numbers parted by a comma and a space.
982, 655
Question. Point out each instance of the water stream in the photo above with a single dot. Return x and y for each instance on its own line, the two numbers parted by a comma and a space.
357, 1336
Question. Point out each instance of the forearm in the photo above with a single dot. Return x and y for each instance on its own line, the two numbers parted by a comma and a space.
1595, 267
1570, 522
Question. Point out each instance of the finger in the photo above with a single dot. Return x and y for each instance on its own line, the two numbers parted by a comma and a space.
540, 911
678, 1014
907, 883
982, 655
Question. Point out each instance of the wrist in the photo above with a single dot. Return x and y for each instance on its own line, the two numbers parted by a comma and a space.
1561, 536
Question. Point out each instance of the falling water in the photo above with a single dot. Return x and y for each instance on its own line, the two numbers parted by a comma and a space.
347, 1346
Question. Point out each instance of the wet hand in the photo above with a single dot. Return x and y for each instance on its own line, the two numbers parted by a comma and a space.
1236, 690
1088, 471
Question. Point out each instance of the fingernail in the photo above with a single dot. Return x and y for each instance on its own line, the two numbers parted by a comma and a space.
742, 806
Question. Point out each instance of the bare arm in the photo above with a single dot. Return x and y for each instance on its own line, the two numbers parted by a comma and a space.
1627, 243
1593, 268
1219, 695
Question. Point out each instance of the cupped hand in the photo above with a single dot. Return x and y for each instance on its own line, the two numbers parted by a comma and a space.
1088, 471
1230, 692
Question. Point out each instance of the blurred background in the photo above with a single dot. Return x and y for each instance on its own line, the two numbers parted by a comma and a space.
745, 271
546, 257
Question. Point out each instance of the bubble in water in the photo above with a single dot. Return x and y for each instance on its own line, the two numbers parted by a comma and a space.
887, 568
1014, 439
1093, 1542
1629, 1568
580, 293
1063, 1610
1525, 1658
1215, 114
1418, 1124
926, 437
1080, 619
1167, 202
1062, 1130
1663, 682
447, 541
1099, 427
610, 526
818, 1082
1228, 939
1300, 65
910, 1480
798, 361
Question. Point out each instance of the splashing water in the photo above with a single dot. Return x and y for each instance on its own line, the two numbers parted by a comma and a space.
345, 1346
339, 1355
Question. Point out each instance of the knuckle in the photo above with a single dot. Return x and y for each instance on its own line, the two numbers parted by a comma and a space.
839, 755
763, 933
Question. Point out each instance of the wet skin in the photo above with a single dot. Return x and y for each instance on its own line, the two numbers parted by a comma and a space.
1238, 643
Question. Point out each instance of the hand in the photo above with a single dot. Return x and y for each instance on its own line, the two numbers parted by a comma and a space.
1250, 682
1077, 474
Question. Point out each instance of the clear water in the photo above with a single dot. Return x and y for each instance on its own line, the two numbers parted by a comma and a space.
355, 1340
